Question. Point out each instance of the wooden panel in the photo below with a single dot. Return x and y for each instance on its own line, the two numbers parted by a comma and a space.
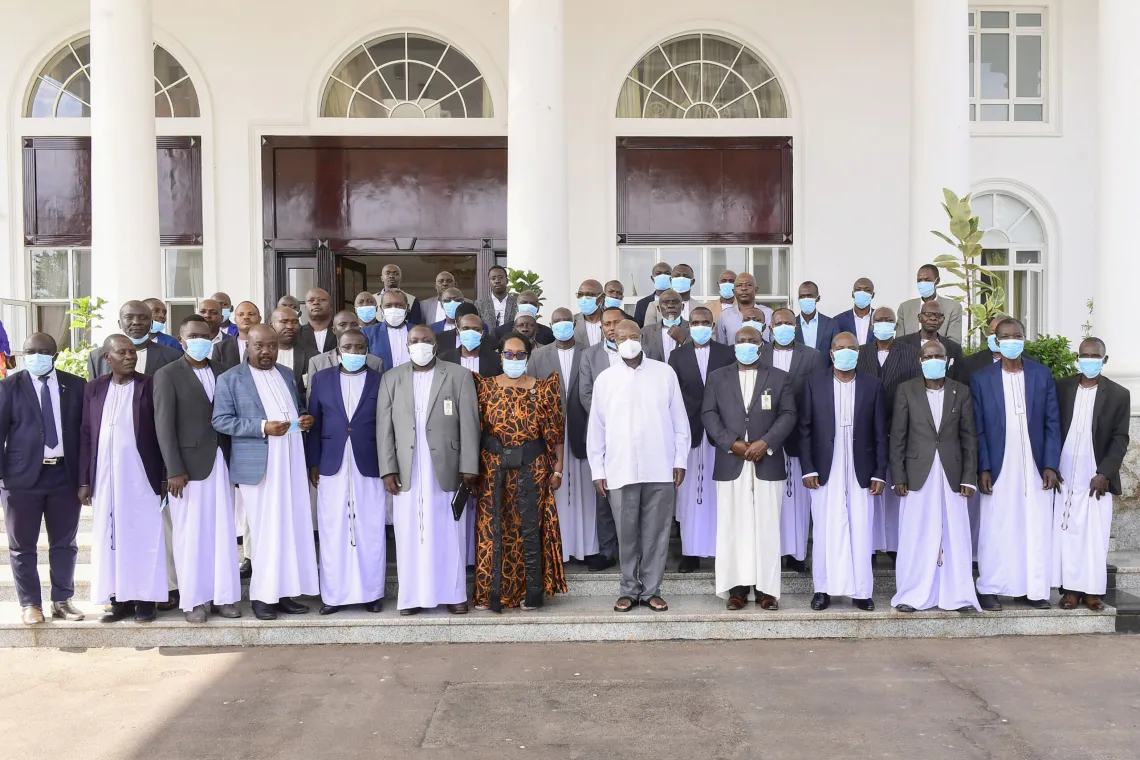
180, 190
709, 190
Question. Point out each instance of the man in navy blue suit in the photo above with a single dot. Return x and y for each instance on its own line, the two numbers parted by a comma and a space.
857, 320
388, 338
1019, 456
41, 410
813, 328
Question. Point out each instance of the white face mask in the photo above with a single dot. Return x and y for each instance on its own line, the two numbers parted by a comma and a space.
394, 316
630, 349
421, 353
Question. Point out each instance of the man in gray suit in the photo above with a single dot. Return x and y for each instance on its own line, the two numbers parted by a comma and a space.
660, 336
427, 435
342, 322
499, 307
230, 353
134, 322
928, 281
432, 308
934, 458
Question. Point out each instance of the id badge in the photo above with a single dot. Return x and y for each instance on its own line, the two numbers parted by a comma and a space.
766, 402
294, 427
448, 407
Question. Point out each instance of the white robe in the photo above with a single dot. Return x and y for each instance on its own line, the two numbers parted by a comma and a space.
577, 513
431, 548
795, 512
280, 517
885, 527
841, 514
350, 520
1081, 523
697, 496
1014, 547
128, 548
205, 552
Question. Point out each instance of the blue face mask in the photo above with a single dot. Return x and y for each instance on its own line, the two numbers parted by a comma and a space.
925, 289
807, 305
1090, 368
198, 348
681, 284
563, 330
449, 308
747, 353
755, 325
702, 334
588, 304
884, 330
727, 290
157, 327
353, 362
528, 308
611, 345
784, 334
845, 359
1011, 349
39, 364
613, 303
470, 339
671, 322
139, 341
226, 314
862, 299
662, 281
992, 341
366, 313
514, 368
934, 369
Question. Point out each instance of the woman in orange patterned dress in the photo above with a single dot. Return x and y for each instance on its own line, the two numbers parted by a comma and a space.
518, 551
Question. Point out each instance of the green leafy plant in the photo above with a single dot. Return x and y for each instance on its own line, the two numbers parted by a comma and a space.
519, 280
1087, 327
86, 314
982, 297
1055, 352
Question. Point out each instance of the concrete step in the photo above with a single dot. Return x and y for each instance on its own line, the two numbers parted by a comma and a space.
1127, 566
562, 619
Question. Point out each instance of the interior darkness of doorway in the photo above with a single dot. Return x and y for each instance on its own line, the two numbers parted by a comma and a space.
419, 273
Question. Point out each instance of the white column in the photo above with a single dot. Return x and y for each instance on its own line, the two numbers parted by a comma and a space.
125, 262
939, 122
537, 229
1117, 266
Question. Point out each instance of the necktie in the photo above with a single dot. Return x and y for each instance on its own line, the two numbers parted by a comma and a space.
51, 435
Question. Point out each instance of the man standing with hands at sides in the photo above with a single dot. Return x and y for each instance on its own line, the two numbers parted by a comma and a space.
366, 308
1094, 426
645, 311
134, 321
393, 277
659, 338
843, 452
588, 320
858, 320
814, 329
432, 308
344, 468
638, 445
317, 337
201, 498
1019, 458
697, 497
158, 324
120, 473
225, 307
931, 318
211, 311
427, 432
928, 282
499, 307
726, 289
800, 362
934, 457
389, 340
257, 404
230, 353
41, 412
749, 410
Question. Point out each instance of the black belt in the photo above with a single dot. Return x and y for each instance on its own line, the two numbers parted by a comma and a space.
519, 458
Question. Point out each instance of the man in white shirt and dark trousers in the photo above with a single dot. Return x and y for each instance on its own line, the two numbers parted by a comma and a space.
638, 448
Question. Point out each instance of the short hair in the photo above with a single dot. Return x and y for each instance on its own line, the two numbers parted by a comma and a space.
930, 268
1010, 321
1096, 340
351, 331
464, 309
395, 291
695, 309
783, 308
516, 335
192, 318
493, 268
614, 308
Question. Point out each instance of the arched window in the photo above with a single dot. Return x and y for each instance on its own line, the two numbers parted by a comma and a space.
406, 75
1014, 248
63, 86
701, 76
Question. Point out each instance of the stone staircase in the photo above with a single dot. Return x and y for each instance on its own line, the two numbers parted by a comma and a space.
583, 614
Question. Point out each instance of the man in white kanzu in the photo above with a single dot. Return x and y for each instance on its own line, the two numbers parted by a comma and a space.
120, 474
638, 447
1094, 426
257, 405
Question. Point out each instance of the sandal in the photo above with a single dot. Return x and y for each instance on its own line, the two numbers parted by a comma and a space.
625, 604
655, 603
1069, 601
1094, 602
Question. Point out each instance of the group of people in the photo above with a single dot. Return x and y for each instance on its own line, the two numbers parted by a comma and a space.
485, 439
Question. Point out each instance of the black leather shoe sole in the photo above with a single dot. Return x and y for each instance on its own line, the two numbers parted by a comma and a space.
263, 611
820, 602
905, 608
290, 607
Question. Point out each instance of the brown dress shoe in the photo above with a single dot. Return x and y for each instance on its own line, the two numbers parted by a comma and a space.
767, 602
226, 611
65, 610
1069, 601
170, 603
736, 603
457, 609
1094, 603
32, 615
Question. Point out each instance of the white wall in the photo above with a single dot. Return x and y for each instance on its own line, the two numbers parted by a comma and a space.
845, 67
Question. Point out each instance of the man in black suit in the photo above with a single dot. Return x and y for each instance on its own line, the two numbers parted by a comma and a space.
693, 361
1095, 413
931, 317
799, 361
988, 355
230, 353
449, 339
843, 451
815, 329
646, 309
527, 304
317, 336
41, 410
134, 321
475, 352
291, 352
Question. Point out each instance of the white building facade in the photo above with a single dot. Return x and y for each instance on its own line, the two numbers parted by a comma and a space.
305, 143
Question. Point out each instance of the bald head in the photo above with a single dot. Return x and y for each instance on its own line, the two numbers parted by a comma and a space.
261, 348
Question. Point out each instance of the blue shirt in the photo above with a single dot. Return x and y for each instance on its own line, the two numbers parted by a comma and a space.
165, 340
809, 330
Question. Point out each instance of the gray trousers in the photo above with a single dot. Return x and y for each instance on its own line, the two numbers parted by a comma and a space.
607, 530
643, 514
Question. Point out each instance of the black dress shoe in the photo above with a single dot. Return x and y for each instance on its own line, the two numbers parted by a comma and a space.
689, 564
905, 608
867, 605
989, 602
118, 611
226, 610
170, 603
145, 612
263, 611
796, 565
329, 609
820, 601
245, 569
291, 607
600, 562
1038, 604
410, 611
376, 606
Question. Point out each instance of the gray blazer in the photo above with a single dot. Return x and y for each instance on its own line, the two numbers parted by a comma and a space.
226, 353
651, 341
487, 310
453, 426
427, 309
157, 357
914, 440
728, 418
581, 337
183, 420
907, 317
595, 360
544, 363
332, 359
238, 413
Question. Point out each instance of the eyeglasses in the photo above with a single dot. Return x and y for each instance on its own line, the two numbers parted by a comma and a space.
931, 315
515, 355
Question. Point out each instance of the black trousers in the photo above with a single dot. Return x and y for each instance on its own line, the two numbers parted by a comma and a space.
52, 501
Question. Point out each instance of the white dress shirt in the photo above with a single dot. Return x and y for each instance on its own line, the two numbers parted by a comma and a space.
241, 349
470, 362
593, 332
667, 342
702, 353
205, 376
862, 326
320, 336
52, 383
747, 388
883, 356
140, 359
398, 343
782, 358
500, 308
566, 364
285, 356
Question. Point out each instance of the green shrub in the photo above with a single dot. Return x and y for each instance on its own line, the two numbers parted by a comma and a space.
85, 316
1054, 352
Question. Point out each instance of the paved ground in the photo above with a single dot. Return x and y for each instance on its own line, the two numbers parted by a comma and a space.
1064, 697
